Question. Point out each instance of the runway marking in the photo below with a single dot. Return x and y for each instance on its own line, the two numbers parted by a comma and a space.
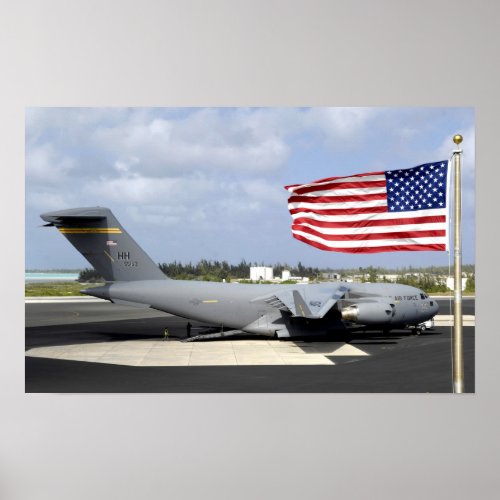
213, 353
56, 300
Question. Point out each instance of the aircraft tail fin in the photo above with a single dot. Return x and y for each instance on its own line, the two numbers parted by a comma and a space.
100, 238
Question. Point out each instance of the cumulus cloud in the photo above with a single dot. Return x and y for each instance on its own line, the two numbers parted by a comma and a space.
130, 189
160, 142
340, 123
204, 139
45, 165
46, 200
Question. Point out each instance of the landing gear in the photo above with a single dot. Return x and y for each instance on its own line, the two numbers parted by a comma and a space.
419, 329
416, 329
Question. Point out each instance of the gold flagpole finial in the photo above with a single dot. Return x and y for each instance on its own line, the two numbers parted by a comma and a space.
457, 139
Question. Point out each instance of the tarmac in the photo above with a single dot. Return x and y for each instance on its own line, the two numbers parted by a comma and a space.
93, 346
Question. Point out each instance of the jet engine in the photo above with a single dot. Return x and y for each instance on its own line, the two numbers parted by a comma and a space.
368, 313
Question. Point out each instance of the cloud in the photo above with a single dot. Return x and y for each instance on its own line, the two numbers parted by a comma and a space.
158, 142
131, 189
205, 139
47, 166
340, 126
46, 200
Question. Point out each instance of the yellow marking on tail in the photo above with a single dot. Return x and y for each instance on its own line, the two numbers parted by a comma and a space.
90, 230
112, 260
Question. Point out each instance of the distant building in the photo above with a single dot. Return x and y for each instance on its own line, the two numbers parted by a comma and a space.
388, 277
261, 273
330, 276
285, 275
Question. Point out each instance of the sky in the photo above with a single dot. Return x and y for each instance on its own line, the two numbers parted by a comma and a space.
208, 183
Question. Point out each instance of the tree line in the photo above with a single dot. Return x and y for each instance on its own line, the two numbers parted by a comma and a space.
427, 279
208, 270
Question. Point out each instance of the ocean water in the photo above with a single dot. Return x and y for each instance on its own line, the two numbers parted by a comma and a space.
49, 277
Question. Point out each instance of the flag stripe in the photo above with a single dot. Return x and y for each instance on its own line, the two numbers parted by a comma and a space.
357, 236
438, 219
346, 204
359, 214
341, 185
354, 191
339, 211
371, 229
351, 243
338, 198
371, 176
388, 248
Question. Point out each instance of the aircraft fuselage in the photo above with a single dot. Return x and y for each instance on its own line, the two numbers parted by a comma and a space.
244, 306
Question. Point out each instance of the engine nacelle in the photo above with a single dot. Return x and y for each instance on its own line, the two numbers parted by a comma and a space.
368, 313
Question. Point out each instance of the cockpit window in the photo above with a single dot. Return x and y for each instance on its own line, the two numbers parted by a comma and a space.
422, 296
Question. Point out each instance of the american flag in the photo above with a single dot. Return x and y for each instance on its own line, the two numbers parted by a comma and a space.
395, 210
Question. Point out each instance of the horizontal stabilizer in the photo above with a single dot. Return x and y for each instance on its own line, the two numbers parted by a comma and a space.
86, 214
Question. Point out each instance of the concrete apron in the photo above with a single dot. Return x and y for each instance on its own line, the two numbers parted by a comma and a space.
212, 353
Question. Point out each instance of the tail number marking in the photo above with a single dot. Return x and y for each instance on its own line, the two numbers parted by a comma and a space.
125, 256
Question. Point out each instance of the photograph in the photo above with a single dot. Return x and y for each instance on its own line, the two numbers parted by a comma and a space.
249, 249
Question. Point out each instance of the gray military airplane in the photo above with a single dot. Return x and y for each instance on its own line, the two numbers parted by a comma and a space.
132, 278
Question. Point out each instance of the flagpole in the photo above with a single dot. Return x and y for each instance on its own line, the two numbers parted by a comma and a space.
458, 361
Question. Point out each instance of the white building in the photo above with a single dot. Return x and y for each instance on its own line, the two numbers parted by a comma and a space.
285, 275
388, 277
330, 276
261, 273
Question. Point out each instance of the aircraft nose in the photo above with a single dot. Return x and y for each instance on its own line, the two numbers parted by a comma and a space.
434, 306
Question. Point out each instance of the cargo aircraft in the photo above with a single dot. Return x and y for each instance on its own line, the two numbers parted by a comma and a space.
132, 278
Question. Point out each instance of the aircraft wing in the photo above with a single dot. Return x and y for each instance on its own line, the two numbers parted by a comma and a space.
306, 301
